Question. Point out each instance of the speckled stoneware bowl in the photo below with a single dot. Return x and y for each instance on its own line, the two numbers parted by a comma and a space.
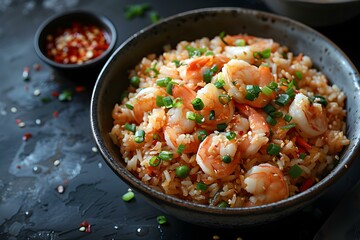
113, 80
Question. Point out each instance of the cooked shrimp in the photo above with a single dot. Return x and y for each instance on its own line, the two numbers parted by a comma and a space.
257, 136
193, 72
238, 74
221, 111
218, 107
252, 45
180, 131
218, 156
310, 118
145, 101
266, 183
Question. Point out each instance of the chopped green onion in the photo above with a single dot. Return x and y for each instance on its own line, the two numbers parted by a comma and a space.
166, 155
289, 126
263, 54
135, 10
269, 108
230, 135
195, 51
252, 92
197, 104
161, 219
209, 53
226, 159
319, 99
222, 35
223, 204
190, 115
135, 81
287, 118
212, 115
240, 42
177, 102
295, 171
66, 95
159, 101
298, 75
167, 102
302, 155
270, 120
273, 149
219, 83
139, 136
201, 186
180, 149
169, 88
207, 75
154, 16
202, 134
282, 99
130, 127
152, 69
128, 196
266, 90
154, 161
290, 92
163, 82
273, 85
283, 81
221, 126
182, 171
199, 118
195, 117
177, 63
129, 106
276, 114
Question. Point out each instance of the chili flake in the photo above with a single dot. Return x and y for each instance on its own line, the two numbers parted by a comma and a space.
76, 44
85, 226
55, 114
26, 136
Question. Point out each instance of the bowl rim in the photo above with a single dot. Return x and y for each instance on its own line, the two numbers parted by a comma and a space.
76, 12
307, 196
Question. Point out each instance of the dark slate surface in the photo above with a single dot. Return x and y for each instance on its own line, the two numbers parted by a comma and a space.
31, 206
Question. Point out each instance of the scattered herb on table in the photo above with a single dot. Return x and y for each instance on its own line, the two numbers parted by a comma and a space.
136, 10
161, 219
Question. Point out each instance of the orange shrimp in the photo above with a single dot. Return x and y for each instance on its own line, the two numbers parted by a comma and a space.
266, 183
212, 151
192, 73
238, 74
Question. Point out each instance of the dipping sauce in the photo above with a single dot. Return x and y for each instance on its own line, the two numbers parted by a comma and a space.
76, 44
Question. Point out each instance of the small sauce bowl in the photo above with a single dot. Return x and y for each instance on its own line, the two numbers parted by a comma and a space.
76, 43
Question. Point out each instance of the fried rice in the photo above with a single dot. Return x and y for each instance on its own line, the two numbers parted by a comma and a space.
232, 121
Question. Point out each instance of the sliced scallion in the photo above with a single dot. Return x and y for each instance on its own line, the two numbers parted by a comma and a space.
180, 149
282, 99
289, 126
163, 82
221, 127
287, 118
154, 161
202, 134
201, 186
240, 42
273, 149
197, 104
212, 115
139, 136
270, 120
129, 106
166, 155
224, 99
128, 196
230, 135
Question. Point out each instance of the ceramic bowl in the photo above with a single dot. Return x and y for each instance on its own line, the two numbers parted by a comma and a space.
82, 21
316, 13
113, 81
